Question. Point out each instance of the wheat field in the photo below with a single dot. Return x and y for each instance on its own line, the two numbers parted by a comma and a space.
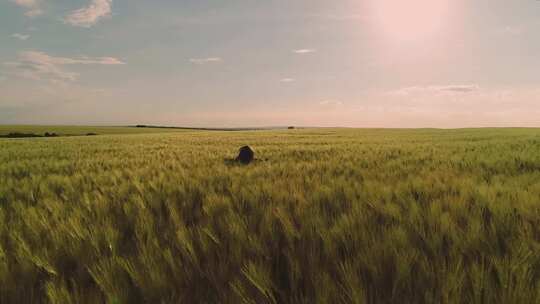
321, 216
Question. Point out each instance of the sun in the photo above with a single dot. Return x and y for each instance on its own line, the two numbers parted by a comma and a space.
409, 20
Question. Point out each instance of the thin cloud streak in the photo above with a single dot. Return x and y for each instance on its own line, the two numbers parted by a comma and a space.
464, 88
205, 60
41, 66
90, 15
20, 36
304, 51
343, 17
331, 103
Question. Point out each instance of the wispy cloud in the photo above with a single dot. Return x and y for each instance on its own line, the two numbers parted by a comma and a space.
41, 66
33, 7
331, 103
467, 88
304, 51
340, 17
513, 30
20, 36
287, 80
437, 89
205, 60
90, 15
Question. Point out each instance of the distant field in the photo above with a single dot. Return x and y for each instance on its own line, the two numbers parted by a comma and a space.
322, 216
79, 130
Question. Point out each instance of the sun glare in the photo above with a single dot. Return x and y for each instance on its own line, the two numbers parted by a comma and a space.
409, 20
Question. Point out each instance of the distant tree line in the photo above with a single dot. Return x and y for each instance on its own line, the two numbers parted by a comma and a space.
32, 135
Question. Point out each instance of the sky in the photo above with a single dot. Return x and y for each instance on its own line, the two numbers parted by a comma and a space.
245, 63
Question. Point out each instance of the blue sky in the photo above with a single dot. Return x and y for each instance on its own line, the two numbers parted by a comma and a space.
363, 63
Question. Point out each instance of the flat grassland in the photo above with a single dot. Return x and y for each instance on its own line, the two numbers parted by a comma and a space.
322, 216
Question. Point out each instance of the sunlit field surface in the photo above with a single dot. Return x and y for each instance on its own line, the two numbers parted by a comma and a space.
322, 216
